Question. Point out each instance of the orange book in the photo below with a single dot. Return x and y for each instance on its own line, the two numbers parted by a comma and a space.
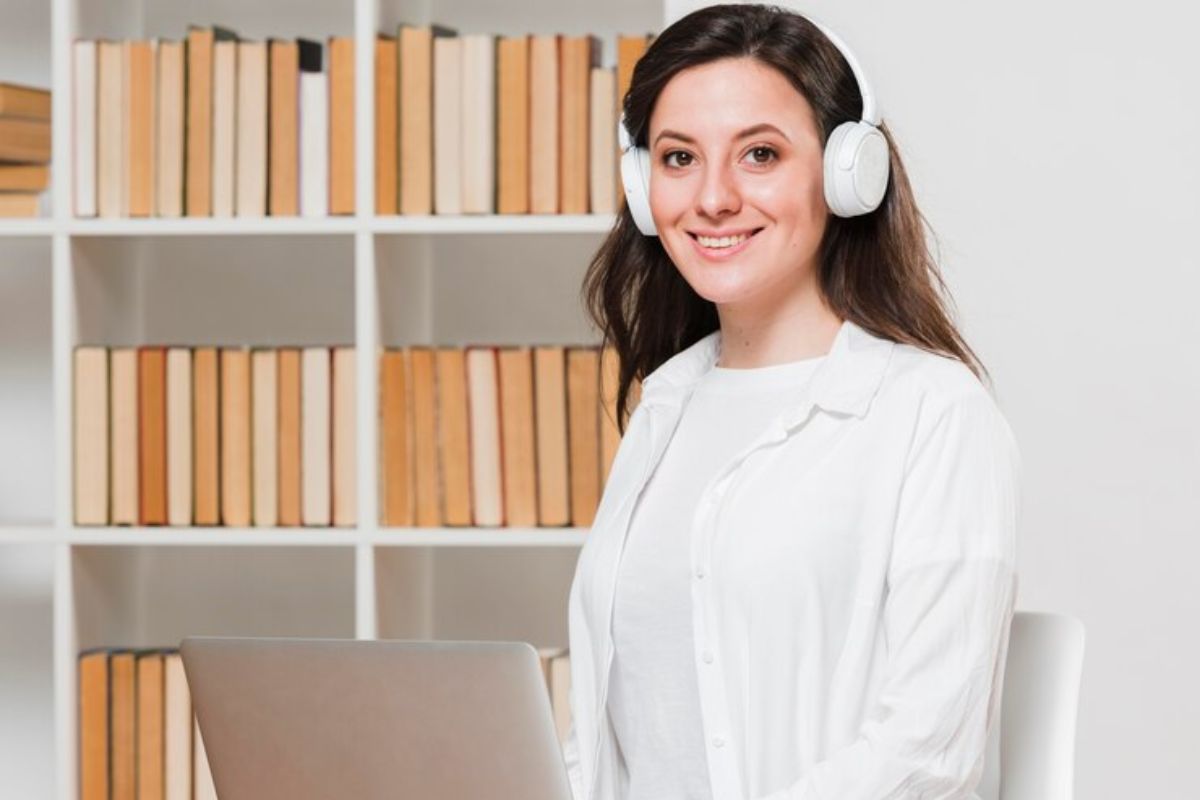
577, 56
289, 436
24, 101
123, 733
341, 125
25, 141
151, 767
139, 127
583, 400
424, 436
94, 724
629, 51
387, 144
169, 134
396, 475
512, 125
415, 121
18, 204
518, 446
543, 124
235, 437
550, 410
152, 435
454, 435
198, 138
283, 149
207, 432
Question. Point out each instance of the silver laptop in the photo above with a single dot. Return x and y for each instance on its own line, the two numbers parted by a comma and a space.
302, 719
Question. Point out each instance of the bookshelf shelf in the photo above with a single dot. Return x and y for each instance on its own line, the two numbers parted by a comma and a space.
365, 280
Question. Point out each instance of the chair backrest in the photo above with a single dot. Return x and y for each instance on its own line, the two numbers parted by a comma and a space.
1031, 752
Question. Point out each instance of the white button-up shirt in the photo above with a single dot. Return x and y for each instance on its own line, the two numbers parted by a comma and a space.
853, 582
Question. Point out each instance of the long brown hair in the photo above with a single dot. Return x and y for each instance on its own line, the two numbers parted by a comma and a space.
875, 270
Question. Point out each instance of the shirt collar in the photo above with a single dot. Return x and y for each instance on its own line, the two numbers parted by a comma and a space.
845, 382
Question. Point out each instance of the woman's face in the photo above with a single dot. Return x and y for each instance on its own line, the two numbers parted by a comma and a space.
736, 181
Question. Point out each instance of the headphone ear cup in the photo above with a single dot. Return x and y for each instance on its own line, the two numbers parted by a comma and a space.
856, 169
635, 177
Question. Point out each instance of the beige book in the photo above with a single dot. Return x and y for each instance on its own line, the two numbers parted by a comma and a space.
289, 436
479, 123
543, 123
198, 147
447, 125
487, 499
224, 126
18, 204
139, 127
577, 56
83, 125
583, 400
151, 770
177, 729
91, 436
251, 157
424, 437
454, 429
110, 130
169, 136
235, 437
345, 458
518, 446
265, 399
610, 434
179, 436
314, 434
550, 413
395, 442
202, 786
387, 145
206, 432
512, 125
341, 125
602, 142
124, 432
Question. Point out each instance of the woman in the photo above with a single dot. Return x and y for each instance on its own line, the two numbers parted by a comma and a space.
800, 577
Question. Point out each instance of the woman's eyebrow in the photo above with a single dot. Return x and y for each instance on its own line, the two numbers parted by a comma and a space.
762, 127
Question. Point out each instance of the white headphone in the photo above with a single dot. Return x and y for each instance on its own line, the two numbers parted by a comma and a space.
856, 158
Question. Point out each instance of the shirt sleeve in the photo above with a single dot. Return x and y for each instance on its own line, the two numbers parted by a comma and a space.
947, 613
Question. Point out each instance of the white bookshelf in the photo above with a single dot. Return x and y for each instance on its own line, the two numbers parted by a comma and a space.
361, 280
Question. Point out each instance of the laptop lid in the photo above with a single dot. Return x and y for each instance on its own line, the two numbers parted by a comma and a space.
301, 719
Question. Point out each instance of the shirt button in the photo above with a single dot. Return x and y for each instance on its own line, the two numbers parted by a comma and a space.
718, 741
700, 572
707, 656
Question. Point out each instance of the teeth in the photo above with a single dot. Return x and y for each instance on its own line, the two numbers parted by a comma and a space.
723, 241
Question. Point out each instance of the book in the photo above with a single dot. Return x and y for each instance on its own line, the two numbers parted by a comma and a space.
543, 123
235, 437
345, 433
387, 143
91, 436
415, 120
289, 390
123, 470
478, 123
177, 729
487, 500
264, 367
283, 148
110, 130
202, 786
152, 435
578, 55
19, 204
629, 51
550, 410
206, 465
198, 131
602, 142
512, 125
454, 435
95, 691
314, 130
224, 126
424, 437
151, 766
251, 155
123, 725
84, 74
396, 453
170, 112
583, 427
28, 102
25, 141
341, 125
518, 446
139, 127
179, 436
448, 125
314, 435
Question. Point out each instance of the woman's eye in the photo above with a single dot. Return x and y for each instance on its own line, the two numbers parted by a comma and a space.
763, 154
686, 156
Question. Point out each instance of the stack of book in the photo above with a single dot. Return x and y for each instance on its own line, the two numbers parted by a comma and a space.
138, 735
480, 124
214, 436
515, 436
213, 126
24, 149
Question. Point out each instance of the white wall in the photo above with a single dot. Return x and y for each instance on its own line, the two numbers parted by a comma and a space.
1053, 149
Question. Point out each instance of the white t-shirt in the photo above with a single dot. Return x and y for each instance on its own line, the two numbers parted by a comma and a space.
653, 699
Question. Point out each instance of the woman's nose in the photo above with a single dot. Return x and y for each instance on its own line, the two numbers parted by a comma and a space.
719, 194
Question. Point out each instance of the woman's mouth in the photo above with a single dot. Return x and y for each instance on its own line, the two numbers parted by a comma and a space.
719, 248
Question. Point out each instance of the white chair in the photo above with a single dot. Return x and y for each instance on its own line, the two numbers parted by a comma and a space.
1031, 752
